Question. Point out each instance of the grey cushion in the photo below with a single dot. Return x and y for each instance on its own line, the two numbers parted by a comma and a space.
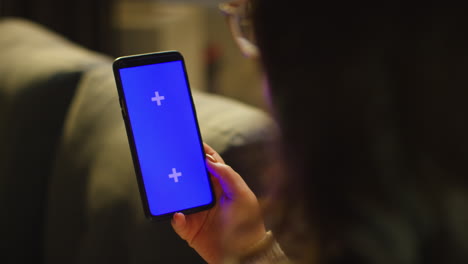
39, 73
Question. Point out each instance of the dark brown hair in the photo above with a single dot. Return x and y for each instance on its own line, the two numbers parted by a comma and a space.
371, 101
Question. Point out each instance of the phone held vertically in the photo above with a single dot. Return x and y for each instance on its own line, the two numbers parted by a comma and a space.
163, 134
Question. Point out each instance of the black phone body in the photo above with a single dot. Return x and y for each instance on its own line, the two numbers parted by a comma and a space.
163, 134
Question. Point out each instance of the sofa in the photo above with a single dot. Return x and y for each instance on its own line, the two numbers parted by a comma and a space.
68, 190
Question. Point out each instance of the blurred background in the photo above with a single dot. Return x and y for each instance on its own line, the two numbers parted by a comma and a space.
123, 27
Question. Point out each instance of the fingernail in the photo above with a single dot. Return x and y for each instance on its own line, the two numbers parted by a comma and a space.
211, 158
174, 215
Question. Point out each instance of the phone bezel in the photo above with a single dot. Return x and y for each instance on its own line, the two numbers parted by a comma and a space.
150, 59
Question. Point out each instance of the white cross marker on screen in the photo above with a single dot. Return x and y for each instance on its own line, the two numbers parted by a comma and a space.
157, 98
175, 175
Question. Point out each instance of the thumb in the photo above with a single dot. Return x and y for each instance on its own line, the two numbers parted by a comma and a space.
179, 225
231, 182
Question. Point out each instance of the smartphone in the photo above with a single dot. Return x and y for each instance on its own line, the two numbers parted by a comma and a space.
163, 134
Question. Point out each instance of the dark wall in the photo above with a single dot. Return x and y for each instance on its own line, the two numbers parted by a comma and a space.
87, 22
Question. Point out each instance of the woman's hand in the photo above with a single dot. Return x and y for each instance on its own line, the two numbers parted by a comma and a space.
232, 226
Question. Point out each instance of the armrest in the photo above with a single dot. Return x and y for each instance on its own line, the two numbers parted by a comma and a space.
39, 74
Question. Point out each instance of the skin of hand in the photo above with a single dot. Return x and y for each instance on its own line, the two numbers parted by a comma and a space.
232, 226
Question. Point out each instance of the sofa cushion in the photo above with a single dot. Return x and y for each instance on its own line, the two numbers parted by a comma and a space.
39, 73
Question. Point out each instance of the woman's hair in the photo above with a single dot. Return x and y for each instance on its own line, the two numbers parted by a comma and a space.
371, 99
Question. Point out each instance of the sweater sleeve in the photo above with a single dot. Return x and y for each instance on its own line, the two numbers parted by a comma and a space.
265, 251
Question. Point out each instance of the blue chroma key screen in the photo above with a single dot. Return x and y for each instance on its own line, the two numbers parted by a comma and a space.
166, 137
